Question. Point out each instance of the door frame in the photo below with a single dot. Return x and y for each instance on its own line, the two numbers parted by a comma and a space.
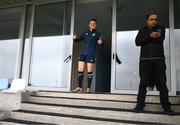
26, 68
172, 54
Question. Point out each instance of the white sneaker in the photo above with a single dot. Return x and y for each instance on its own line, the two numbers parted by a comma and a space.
88, 90
78, 89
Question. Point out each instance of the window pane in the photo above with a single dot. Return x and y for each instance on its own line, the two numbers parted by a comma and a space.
131, 13
9, 40
177, 40
9, 23
52, 20
52, 45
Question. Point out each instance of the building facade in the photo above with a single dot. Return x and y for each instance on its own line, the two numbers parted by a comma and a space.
36, 42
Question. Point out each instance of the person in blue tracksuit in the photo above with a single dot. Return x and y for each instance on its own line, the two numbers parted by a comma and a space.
91, 39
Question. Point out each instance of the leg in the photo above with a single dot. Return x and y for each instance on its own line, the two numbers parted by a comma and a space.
81, 66
144, 72
141, 97
164, 97
142, 93
90, 67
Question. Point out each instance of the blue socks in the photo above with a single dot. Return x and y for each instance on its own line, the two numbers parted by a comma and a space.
80, 78
90, 77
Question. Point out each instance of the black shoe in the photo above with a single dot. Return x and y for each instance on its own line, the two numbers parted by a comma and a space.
138, 108
169, 111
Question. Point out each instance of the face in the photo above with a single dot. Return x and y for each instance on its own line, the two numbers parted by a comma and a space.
92, 25
152, 21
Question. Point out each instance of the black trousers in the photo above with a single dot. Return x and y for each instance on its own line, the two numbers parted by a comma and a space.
153, 73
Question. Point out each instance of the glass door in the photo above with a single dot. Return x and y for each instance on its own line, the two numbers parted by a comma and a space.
50, 65
129, 17
10, 27
177, 42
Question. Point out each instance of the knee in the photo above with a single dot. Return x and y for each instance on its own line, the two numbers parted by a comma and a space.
164, 90
80, 69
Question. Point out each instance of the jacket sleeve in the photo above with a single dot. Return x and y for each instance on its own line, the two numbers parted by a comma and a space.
79, 38
99, 35
162, 37
142, 38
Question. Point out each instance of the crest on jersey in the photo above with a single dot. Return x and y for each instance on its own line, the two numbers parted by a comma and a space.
93, 34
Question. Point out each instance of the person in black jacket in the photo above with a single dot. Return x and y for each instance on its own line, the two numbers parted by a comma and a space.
152, 67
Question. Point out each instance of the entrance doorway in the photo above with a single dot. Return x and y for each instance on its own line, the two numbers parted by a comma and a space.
102, 11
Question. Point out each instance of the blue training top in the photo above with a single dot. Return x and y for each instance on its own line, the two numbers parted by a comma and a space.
90, 39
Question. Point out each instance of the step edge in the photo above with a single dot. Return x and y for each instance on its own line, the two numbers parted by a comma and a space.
86, 117
100, 108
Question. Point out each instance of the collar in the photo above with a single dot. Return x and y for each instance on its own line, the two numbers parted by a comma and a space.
94, 30
152, 27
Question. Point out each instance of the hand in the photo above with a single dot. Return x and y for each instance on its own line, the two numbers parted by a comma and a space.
74, 36
155, 35
100, 41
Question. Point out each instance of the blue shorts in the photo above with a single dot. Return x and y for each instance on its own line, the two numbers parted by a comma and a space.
87, 58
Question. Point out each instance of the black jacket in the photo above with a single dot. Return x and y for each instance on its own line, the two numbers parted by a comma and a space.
151, 48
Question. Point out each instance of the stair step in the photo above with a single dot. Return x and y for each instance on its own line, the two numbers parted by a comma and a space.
110, 97
88, 108
9, 123
95, 103
12, 121
59, 119
4, 114
94, 114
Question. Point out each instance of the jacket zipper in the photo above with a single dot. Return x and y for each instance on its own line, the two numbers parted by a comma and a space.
86, 48
150, 50
87, 45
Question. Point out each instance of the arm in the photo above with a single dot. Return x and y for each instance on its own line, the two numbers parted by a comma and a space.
158, 36
78, 38
162, 37
100, 39
142, 38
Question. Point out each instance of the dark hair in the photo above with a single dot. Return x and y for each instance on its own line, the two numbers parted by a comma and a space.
93, 19
151, 12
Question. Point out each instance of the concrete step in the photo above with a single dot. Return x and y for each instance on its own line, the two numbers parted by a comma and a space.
111, 105
10, 123
4, 114
82, 108
94, 114
61, 120
111, 97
